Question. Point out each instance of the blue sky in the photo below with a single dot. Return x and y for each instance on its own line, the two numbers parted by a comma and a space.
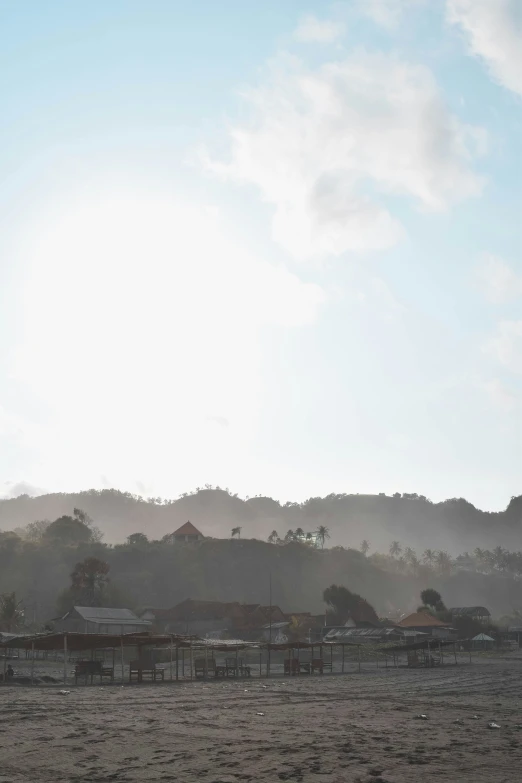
274, 247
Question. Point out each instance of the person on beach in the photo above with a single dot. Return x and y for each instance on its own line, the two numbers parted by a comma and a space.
10, 672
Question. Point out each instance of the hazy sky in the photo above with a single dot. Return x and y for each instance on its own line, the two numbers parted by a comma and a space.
270, 245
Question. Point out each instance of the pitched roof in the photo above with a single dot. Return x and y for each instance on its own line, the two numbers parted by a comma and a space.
470, 611
191, 609
422, 620
111, 616
362, 633
187, 529
482, 637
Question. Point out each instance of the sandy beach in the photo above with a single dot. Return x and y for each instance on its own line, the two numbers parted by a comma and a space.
357, 727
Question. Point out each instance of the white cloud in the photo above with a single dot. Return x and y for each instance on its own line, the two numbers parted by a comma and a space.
498, 279
506, 345
387, 13
328, 146
494, 32
143, 326
311, 29
503, 398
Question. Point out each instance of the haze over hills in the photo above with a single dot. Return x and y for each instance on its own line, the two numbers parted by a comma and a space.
454, 525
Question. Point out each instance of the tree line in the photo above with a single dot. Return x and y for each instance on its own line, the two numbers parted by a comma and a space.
47, 567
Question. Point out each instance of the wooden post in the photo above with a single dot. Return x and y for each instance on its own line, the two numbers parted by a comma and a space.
342, 663
237, 661
331, 658
65, 659
268, 660
171, 655
177, 664
191, 660
298, 660
441, 654
122, 661
32, 662
455, 653
470, 651
183, 662
206, 662
260, 663
5, 664
359, 655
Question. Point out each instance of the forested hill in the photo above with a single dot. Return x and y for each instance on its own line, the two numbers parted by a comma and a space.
454, 525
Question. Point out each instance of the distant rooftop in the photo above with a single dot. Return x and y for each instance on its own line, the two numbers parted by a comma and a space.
187, 529
470, 611
110, 615
422, 620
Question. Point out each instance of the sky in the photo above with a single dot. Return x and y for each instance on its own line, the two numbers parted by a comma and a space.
274, 247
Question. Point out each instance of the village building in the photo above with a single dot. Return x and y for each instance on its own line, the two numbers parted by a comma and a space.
97, 619
187, 534
218, 619
426, 623
482, 642
371, 635
478, 613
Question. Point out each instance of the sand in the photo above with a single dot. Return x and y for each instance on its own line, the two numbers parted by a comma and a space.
337, 728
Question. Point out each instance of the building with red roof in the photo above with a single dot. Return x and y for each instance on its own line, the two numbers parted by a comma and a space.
187, 533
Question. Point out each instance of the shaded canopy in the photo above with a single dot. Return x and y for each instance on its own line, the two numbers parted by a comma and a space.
91, 641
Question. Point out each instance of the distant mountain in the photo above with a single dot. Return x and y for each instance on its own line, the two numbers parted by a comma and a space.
453, 525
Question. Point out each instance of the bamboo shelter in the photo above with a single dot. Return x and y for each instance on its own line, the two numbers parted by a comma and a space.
141, 656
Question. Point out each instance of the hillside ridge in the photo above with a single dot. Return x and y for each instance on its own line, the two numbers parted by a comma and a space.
454, 524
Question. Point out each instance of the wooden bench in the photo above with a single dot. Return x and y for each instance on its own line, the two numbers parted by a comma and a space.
236, 668
139, 668
203, 667
91, 669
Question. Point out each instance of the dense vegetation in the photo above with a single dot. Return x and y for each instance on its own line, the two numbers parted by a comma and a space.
50, 566
453, 525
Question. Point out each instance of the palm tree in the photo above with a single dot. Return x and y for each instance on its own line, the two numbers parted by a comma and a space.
322, 534
395, 549
365, 546
273, 537
299, 532
236, 531
428, 557
413, 560
410, 554
443, 560
290, 535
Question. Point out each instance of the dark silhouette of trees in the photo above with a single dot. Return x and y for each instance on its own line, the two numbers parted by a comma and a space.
68, 531
137, 539
432, 601
89, 583
11, 613
346, 604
